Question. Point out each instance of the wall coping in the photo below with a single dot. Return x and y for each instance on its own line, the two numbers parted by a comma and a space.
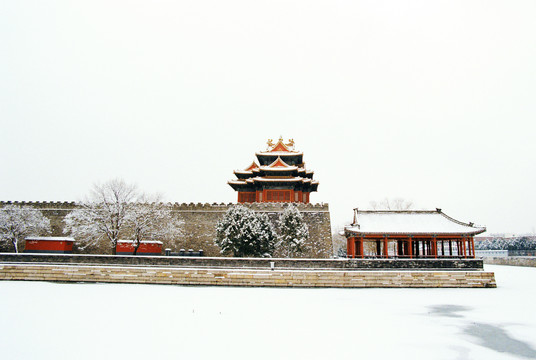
257, 263
178, 206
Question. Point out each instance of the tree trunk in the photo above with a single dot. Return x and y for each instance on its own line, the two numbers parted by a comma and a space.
14, 242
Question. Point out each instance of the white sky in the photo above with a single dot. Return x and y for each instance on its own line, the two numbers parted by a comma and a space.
431, 101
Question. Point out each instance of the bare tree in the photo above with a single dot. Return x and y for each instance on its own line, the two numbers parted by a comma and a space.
18, 222
150, 218
104, 214
117, 210
391, 204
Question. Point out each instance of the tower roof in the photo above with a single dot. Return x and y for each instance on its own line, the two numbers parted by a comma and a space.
280, 168
280, 149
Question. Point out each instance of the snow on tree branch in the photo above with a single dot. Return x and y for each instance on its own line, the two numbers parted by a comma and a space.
243, 232
116, 210
293, 233
18, 222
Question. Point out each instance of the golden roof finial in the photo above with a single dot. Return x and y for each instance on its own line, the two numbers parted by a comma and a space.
270, 143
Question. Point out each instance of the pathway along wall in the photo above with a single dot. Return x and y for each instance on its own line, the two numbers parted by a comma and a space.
200, 225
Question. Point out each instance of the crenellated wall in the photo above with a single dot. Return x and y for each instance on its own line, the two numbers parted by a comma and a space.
200, 224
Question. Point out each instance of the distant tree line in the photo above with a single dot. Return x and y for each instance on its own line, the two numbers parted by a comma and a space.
519, 243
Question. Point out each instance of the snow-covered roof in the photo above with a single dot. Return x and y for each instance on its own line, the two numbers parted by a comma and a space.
243, 172
279, 168
48, 238
279, 153
143, 241
409, 222
279, 179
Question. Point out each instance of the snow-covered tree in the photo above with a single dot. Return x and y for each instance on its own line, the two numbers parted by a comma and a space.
116, 210
18, 222
293, 233
266, 235
104, 214
518, 243
242, 232
152, 219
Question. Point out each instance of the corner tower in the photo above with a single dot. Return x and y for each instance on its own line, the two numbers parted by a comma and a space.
279, 176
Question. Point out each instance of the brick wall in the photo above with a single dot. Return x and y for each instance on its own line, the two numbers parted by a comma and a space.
200, 223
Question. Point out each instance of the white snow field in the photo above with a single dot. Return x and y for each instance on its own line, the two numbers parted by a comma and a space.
41, 320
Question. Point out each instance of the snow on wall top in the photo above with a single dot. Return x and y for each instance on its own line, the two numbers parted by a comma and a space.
410, 222
48, 238
68, 206
142, 242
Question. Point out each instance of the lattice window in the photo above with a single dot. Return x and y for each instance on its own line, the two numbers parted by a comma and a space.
246, 197
278, 195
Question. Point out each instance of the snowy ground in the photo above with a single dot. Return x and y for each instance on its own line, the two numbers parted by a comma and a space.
42, 320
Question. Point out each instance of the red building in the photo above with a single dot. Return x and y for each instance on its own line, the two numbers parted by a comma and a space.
409, 234
54, 245
279, 176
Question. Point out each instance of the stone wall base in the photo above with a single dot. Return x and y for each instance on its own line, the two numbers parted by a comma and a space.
249, 277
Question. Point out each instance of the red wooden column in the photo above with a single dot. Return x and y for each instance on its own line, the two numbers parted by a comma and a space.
350, 251
464, 247
410, 247
473, 247
361, 247
385, 246
434, 246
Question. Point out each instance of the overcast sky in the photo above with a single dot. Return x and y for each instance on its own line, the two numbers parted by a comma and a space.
430, 101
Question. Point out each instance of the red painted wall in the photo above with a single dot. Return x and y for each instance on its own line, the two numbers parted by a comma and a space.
127, 248
59, 246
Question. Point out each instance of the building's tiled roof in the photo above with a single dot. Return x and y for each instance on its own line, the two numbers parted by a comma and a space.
409, 222
279, 153
280, 166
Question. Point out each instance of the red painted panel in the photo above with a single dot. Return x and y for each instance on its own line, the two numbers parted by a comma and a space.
279, 147
279, 196
149, 248
144, 248
246, 197
124, 247
49, 245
